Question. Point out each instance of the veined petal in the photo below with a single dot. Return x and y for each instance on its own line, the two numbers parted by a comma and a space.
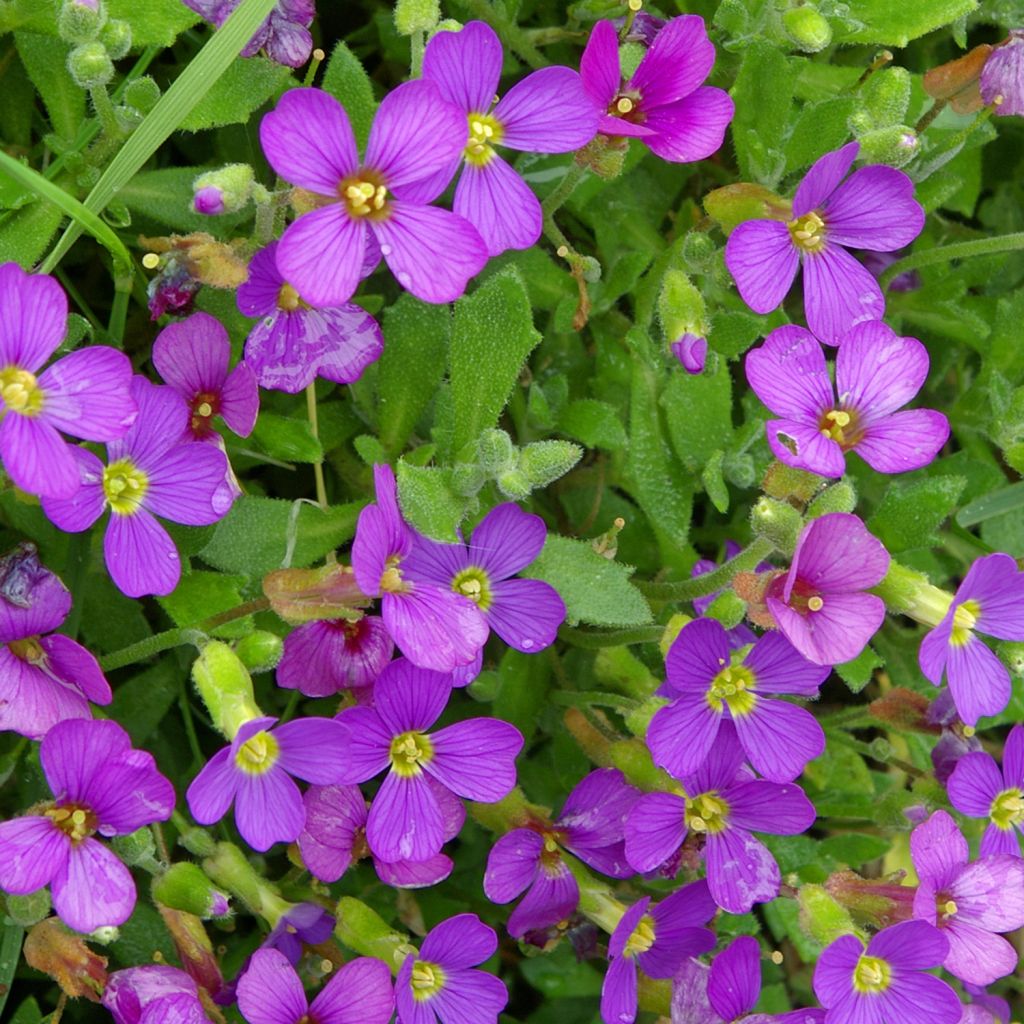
476, 758
678, 61
974, 784
500, 205
938, 849
465, 66
837, 553
435, 628
976, 955
86, 504
240, 400
740, 870
553, 896
934, 650
735, 980
656, 829
874, 209
408, 698
192, 355
88, 394
788, 373
839, 293
779, 739
268, 808
912, 945
359, 992
836, 633
212, 791
366, 753
37, 458
506, 540
692, 128
311, 749
547, 112
33, 317
990, 894
1013, 757
269, 991
512, 863
823, 178
779, 667
763, 261
185, 486
996, 584
353, 341
619, 991
903, 441
877, 371
161, 423
141, 557
321, 254
781, 810
978, 680
801, 444
32, 852
599, 65
526, 614
697, 655
405, 821
681, 734
474, 997
459, 942
834, 971
94, 889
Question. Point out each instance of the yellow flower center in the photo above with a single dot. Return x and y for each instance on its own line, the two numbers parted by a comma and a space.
288, 299
20, 391
707, 813
965, 618
427, 980
732, 688
474, 584
485, 132
124, 485
871, 975
1007, 809
808, 232
409, 752
625, 106
642, 937
28, 650
75, 821
258, 754
841, 426
391, 581
815, 603
948, 908
365, 195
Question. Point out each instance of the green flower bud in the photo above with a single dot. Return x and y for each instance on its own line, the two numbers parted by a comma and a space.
807, 28
80, 21
185, 887
90, 65
680, 307
821, 916
416, 16
591, 270
778, 522
29, 910
727, 608
199, 842
225, 190
116, 36
365, 931
226, 688
838, 497
543, 462
672, 630
514, 484
782, 481
142, 94
468, 478
698, 251
260, 651
886, 96
894, 146
135, 848
495, 452
731, 205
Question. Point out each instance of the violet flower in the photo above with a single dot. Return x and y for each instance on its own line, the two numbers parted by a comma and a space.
979, 789
656, 939
84, 394
591, 827
358, 992
546, 112
986, 1008
526, 614
295, 342
663, 103
873, 209
100, 786
820, 604
1003, 75
324, 657
969, 903
990, 600
474, 759
255, 772
706, 688
877, 371
692, 352
435, 627
43, 679
284, 35
153, 994
440, 984
887, 981
416, 135
150, 472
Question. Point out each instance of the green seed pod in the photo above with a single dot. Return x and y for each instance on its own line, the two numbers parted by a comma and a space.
260, 651
30, 909
184, 886
495, 452
838, 497
116, 36
142, 94
807, 28
135, 848
778, 522
226, 688
416, 16
90, 65
80, 21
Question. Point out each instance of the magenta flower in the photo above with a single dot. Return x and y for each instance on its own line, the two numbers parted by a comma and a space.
1003, 75
100, 785
546, 112
416, 135
154, 994
819, 604
440, 984
474, 759
530, 859
969, 903
334, 837
84, 394
284, 35
323, 658
979, 789
877, 371
295, 342
43, 679
434, 626
255, 773
657, 939
887, 981
873, 209
692, 352
526, 614
663, 103
706, 689
359, 992
990, 600
150, 472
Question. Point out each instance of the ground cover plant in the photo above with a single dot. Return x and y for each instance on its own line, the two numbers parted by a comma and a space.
511, 511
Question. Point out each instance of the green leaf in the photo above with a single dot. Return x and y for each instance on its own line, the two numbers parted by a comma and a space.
714, 482
895, 24
988, 506
288, 439
858, 672
819, 128
543, 462
45, 60
141, 703
909, 512
595, 590
203, 594
246, 85
698, 410
596, 424
346, 80
492, 336
27, 1013
153, 22
428, 502
523, 682
733, 333
853, 848
763, 94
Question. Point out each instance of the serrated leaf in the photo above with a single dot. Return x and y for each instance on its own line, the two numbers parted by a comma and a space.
246, 85
895, 24
909, 512
596, 424
288, 439
154, 22
428, 502
346, 80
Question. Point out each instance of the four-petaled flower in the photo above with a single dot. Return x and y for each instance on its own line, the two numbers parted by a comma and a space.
327, 656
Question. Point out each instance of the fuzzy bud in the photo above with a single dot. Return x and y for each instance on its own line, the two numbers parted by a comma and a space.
365, 931
875, 902
778, 522
895, 146
698, 251
116, 37
225, 190
64, 956
495, 452
807, 28
785, 483
467, 479
226, 688
837, 497
209, 201
90, 65
543, 462
185, 887
605, 156
821, 916
731, 205
29, 909
198, 841
416, 16
142, 94
886, 96
260, 651
903, 709
728, 608
80, 21
692, 351
136, 848
302, 595
683, 319
514, 484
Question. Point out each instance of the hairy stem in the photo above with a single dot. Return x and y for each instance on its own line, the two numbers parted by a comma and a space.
954, 251
700, 586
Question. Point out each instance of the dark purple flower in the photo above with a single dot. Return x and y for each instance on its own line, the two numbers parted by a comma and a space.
526, 614
323, 658
294, 342
979, 789
439, 983
474, 759
990, 601
887, 981
692, 351
100, 785
284, 35
150, 472
873, 209
153, 994
877, 372
950, 747
663, 103
173, 289
305, 923
1003, 75
434, 626
84, 394
656, 939
820, 604
416, 135
590, 827
546, 112
644, 29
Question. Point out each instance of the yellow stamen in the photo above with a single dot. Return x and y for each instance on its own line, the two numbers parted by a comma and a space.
365, 195
642, 938
409, 752
732, 687
624, 105
816, 603
808, 232
124, 486
474, 583
965, 618
707, 812
871, 975
20, 391
427, 980
485, 131
258, 754
1007, 809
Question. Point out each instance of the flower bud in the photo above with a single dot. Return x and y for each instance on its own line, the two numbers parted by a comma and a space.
728, 608
875, 902
416, 16
142, 94
226, 688
225, 190
691, 350
467, 479
681, 314
365, 931
260, 651
198, 841
514, 484
821, 916
698, 251
807, 28
185, 887
105, 934
738, 469
605, 156
90, 65
80, 21
542, 462
136, 848
194, 949
778, 522
64, 956
208, 201
302, 595
895, 146
837, 497
495, 452
116, 37
785, 482
886, 96
30, 909
731, 205
903, 709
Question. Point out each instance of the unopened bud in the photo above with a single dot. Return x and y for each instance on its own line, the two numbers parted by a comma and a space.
821, 916
903, 709
90, 65
208, 201
838, 497
467, 479
698, 251
543, 462
136, 848
728, 608
605, 156
116, 37
416, 16
894, 146
226, 688
185, 887
682, 316
29, 910
495, 452
807, 28
691, 350
260, 651
514, 484
886, 96
778, 522
194, 949
225, 190
142, 94
875, 902
731, 205
302, 595
785, 482
80, 21
198, 841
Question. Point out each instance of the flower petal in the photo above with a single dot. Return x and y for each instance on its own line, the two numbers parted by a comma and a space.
996, 584
192, 355
548, 111
779, 667
461, 941
903, 441
655, 831
88, 394
939, 850
140, 555
910, 945
735, 980
976, 955
435, 628
476, 758
553, 896
599, 65
836, 553
678, 61
763, 261
877, 371
681, 734
779, 738
697, 655
976, 781
369, 740
979, 681
740, 870
94, 889
311, 749
781, 810
186, 485
37, 458
268, 809
321, 255
359, 992
526, 614
353, 341
240, 400
692, 128
512, 864
823, 178
32, 852
405, 821
836, 633
410, 699
839, 293
473, 997
788, 373
86, 505
500, 205
269, 990
465, 66
874, 209
619, 991
803, 446
33, 317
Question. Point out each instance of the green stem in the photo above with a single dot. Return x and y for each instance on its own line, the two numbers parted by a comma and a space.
105, 112
119, 314
150, 646
593, 698
881, 756
10, 953
592, 639
318, 466
700, 586
564, 189
954, 251
417, 44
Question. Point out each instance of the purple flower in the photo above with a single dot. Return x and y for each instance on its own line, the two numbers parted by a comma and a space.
724, 803
474, 759
255, 771
887, 981
546, 112
991, 601
877, 371
663, 104
979, 789
359, 992
873, 209
325, 657
656, 939
209, 201
948, 751
154, 994
192, 356
879, 262
1003, 75
150, 472
985, 1008
307, 923
969, 903
526, 614
84, 394
334, 837
819, 604
706, 689
100, 785
692, 351
173, 289
416, 135
435, 627
294, 342
440, 984
284, 34
590, 827
43, 679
